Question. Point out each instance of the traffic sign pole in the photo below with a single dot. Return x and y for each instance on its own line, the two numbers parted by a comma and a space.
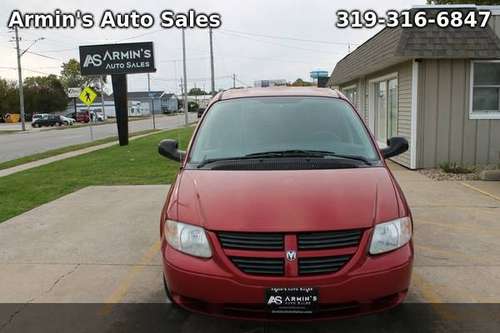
90, 125
152, 101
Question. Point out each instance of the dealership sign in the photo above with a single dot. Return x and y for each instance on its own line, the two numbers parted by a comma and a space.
109, 59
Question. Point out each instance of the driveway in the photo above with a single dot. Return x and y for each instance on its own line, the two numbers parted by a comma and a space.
19, 144
93, 256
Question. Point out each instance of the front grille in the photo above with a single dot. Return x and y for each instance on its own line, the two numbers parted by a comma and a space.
322, 265
246, 251
251, 241
259, 266
329, 240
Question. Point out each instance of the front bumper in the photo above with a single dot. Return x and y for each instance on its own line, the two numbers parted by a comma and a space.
366, 285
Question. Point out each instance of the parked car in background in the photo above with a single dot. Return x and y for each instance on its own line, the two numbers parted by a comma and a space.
67, 120
82, 117
284, 208
48, 120
38, 116
98, 116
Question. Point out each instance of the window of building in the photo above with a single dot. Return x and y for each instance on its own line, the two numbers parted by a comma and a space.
385, 105
485, 90
351, 93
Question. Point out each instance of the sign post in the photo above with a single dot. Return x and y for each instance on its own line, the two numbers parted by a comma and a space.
118, 60
87, 96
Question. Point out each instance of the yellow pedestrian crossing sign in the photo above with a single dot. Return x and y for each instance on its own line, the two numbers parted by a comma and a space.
88, 96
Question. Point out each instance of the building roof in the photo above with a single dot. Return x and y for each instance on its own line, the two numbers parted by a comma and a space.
277, 91
394, 45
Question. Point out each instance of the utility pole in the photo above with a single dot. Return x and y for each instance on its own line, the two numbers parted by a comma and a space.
234, 80
20, 80
185, 77
212, 75
152, 101
20, 74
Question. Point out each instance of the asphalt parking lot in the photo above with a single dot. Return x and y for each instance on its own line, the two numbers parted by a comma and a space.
105, 253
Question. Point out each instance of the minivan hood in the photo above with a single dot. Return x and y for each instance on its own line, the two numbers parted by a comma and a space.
285, 200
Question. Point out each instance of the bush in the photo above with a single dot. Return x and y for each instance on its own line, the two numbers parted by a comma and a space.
454, 167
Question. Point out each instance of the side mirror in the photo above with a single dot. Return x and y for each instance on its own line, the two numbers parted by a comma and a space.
395, 146
169, 149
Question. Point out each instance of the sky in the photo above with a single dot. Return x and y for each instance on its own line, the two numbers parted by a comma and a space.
257, 39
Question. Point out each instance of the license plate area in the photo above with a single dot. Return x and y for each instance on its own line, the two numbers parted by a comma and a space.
292, 300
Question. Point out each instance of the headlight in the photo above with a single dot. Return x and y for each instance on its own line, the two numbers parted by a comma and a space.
391, 235
187, 238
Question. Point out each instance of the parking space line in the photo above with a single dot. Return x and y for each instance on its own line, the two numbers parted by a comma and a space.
431, 297
481, 191
123, 287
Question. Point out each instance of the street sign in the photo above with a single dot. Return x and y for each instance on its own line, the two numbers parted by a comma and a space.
74, 92
107, 90
112, 59
87, 96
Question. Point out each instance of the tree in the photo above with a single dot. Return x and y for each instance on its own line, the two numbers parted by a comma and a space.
9, 99
44, 94
197, 92
459, 2
301, 83
71, 75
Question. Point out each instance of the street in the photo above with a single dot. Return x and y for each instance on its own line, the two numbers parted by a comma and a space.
16, 145
106, 253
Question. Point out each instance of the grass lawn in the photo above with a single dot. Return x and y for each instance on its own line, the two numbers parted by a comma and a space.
137, 163
53, 152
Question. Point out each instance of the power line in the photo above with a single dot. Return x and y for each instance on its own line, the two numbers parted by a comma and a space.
288, 38
140, 35
189, 59
277, 44
60, 50
191, 79
27, 69
44, 56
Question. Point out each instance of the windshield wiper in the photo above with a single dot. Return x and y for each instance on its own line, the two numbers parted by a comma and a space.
290, 153
212, 160
287, 153
307, 153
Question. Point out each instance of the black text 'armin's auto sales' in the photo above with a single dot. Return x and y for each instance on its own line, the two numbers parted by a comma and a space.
117, 58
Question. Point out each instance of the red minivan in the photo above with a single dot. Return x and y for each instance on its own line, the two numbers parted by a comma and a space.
285, 209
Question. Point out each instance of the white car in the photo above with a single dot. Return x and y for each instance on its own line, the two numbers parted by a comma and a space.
99, 116
67, 120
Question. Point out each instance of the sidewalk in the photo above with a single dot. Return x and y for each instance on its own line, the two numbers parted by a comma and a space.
34, 164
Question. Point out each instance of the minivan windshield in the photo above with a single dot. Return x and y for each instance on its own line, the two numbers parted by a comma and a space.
268, 126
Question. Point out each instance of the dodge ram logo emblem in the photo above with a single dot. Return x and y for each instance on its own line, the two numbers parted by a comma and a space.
291, 255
